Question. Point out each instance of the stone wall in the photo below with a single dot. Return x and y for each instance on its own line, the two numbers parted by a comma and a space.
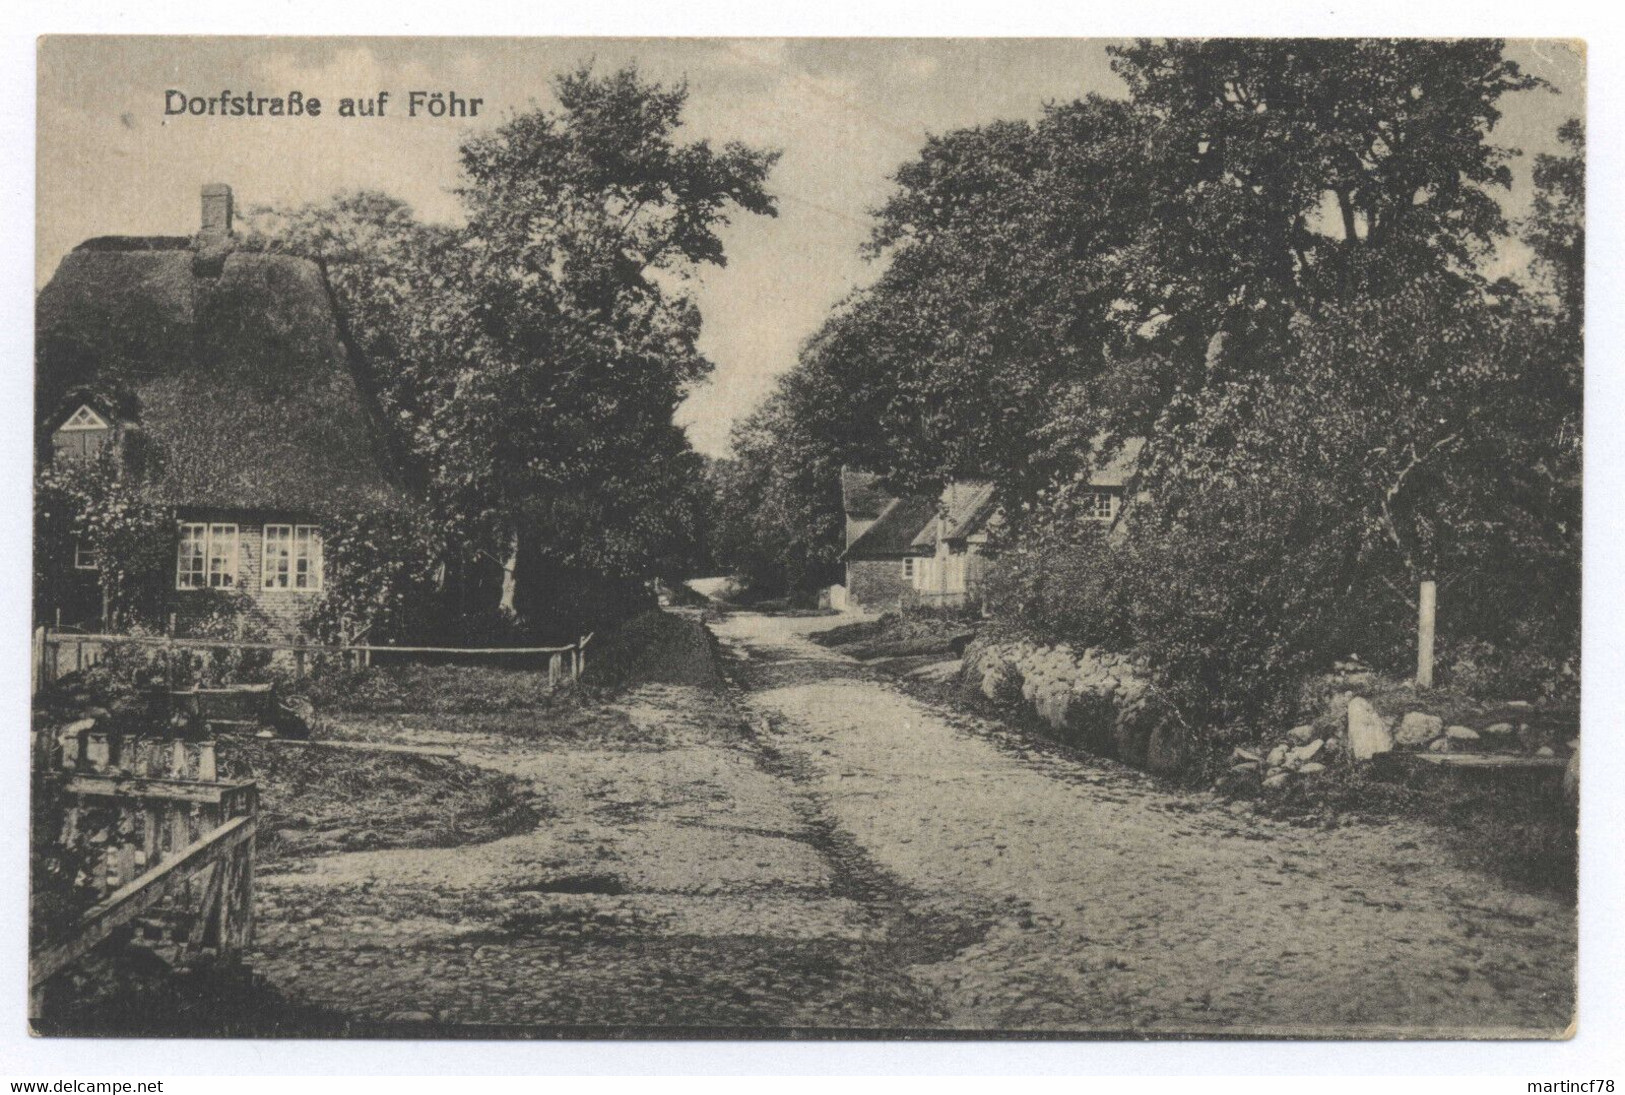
1093, 699
875, 583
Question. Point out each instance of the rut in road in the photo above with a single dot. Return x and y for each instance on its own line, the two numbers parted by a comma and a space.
1105, 901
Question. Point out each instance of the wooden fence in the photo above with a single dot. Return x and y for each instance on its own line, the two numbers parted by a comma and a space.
57, 652
169, 848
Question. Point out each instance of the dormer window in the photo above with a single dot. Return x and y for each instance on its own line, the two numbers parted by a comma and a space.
84, 434
1100, 506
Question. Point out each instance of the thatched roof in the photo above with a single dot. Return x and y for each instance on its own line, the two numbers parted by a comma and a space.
908, 525
964, 506
892, 534
243, 384
862, 496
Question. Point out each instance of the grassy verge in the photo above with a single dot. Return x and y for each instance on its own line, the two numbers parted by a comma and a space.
900, 635
315, 800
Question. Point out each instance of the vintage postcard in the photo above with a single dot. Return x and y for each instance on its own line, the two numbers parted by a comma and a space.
838, 538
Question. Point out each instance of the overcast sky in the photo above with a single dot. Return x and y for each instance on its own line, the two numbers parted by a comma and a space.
844, 112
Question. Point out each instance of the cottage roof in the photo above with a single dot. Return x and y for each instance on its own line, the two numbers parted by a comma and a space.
964, 506
862, 495
235, 366
892, 534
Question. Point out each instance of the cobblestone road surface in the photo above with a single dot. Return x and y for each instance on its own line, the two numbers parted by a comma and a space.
823, 851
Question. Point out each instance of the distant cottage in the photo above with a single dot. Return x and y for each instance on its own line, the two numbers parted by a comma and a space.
932, 549
225, 380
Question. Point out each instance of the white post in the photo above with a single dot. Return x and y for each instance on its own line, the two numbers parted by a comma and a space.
1426, 604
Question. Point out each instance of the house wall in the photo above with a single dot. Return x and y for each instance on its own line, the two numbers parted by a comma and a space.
875, 583
952, 575
281, 612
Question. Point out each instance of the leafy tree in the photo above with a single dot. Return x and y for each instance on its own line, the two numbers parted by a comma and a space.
1267, 263
95, 507
778, 500
530, 360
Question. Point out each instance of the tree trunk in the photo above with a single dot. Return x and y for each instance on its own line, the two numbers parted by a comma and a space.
510, 572
1345, 205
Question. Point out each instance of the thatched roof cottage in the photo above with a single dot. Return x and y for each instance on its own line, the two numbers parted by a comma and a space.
228, 381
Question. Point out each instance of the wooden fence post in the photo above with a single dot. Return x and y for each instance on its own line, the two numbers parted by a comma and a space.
1426, 605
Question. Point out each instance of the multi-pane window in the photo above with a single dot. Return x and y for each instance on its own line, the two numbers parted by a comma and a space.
1101, 505
908, 567
293, 557
206, 557
83, 557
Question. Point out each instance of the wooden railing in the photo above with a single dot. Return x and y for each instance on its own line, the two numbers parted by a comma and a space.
51, 663
172, 843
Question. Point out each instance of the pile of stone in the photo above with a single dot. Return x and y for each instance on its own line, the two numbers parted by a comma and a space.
1311, 750
1303, 754
1094, 698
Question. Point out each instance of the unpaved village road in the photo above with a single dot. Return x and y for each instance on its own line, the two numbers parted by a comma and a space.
823, 851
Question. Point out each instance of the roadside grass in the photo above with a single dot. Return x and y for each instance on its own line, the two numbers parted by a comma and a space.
315, 800
900, 634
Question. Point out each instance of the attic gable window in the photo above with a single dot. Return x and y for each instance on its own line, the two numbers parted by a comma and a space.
293, 557
206, 557
83, 434
85, 419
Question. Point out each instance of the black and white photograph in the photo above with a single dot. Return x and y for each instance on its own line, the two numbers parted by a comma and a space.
806, 538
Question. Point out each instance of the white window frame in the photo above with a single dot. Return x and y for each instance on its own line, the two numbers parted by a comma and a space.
221, 543
1110, 498
288, 580
81, 554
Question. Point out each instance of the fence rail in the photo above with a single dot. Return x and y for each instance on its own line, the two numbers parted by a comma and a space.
88, 649
170, 842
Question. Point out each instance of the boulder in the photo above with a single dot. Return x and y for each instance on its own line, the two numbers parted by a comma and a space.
1461, 733
1301, 735
1305, 753
295, 717
1439, 745
1240, 754
1545, 751
1131, 739
1312, 769
1279, 779
1368, 731
1417, 728
1496, 729
1277, 756
1167, 750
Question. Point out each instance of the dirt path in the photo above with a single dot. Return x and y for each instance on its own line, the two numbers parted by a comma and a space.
1089, 897
820, 850
675, 880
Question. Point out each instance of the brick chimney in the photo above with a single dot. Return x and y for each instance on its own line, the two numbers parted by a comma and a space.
216, 212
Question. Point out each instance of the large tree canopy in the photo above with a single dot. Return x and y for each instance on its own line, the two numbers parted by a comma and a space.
530, 359
1267, 261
